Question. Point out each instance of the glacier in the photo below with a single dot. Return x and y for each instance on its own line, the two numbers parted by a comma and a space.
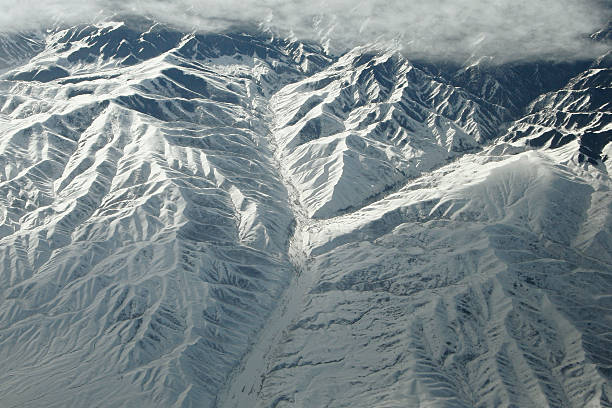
238, 219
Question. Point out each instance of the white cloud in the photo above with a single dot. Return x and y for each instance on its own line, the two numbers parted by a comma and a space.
507, 29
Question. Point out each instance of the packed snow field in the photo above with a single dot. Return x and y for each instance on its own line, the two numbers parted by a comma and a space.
241, 220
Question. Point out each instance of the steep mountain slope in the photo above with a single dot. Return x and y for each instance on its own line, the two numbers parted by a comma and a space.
369, 122
234, 219
580, 110
144, 226
475, 285
17, 48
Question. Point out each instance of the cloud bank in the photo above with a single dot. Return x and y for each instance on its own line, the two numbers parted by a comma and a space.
442, 29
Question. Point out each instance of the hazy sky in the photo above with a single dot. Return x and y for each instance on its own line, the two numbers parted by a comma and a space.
508, 29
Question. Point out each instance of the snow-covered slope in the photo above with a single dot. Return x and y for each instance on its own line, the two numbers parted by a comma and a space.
580, 110
234, 219
476, 285
17, 48
369, 122
144, 225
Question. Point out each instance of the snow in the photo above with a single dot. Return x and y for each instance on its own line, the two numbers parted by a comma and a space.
416, 302
242, 221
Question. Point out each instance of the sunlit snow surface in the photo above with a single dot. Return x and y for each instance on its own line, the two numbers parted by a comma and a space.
235, 220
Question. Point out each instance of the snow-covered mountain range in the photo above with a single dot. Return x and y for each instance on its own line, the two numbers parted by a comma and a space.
240, 220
